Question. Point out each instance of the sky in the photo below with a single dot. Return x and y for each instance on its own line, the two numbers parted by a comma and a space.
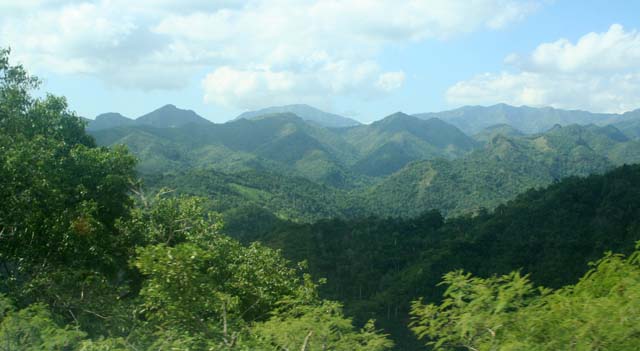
364, 59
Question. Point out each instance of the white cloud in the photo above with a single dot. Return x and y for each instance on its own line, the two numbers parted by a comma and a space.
259, 49
390, 81
600, 72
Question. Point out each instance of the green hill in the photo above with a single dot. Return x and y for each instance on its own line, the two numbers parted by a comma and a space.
387, 145
490, 132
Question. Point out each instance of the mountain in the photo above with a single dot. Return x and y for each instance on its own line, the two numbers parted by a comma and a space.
168, 116
281, 143
306, 112
284, 142
500, 170
387, 145
108, 120
473, 119
399, 166
630, 126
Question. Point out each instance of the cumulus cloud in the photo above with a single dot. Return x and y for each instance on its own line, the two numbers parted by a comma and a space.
255, 50
599, 72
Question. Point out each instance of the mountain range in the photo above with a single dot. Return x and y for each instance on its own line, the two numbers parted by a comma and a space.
306, 112
400, 165
168, 116
474, 119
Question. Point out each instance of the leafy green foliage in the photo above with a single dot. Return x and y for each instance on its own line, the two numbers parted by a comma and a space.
325, 326
61, 194
600, 312
207, 289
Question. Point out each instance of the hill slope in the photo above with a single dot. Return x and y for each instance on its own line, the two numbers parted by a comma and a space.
389, 144
377, 266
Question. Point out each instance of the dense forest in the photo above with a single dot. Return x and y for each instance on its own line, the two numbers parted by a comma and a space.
309, 238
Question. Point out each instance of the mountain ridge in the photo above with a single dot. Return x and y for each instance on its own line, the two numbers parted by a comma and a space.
167, 116
473, 119
306, 112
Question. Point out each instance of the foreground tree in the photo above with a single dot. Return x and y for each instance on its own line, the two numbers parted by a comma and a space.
205, 290
600, 312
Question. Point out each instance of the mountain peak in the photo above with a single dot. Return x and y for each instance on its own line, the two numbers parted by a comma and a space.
306, 112
170, 116
169, 107
398, 115
111, 115
109, 120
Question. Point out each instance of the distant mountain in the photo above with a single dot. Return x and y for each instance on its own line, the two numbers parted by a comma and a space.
109, 120
284, 142
307, 113
168, 116
473, 119
630, 126
389, 144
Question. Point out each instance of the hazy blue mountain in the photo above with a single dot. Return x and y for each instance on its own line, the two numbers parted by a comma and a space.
387, 145
169, 116
306, 112
473, 119
630, 126
109, 120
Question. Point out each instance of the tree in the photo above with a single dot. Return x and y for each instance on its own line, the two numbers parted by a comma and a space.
61, 195
600, 312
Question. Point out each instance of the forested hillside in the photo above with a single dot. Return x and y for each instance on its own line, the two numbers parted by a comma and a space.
378, 266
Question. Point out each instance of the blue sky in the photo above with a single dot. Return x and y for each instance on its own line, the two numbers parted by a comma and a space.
361, 58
